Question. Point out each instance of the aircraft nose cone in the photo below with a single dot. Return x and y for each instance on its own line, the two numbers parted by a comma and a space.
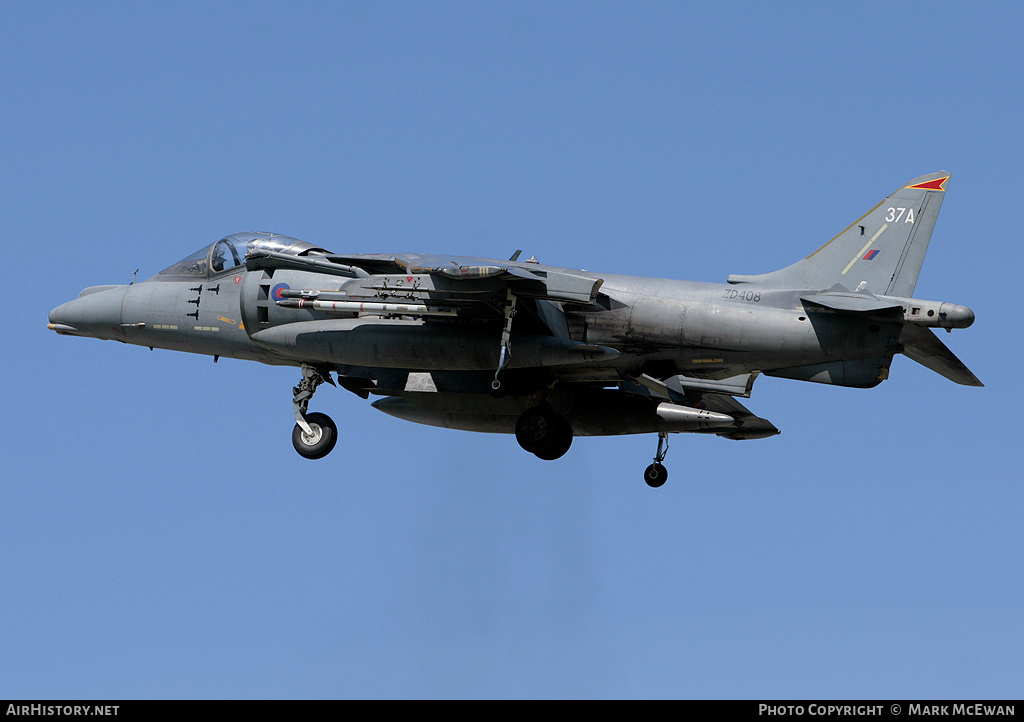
96, 312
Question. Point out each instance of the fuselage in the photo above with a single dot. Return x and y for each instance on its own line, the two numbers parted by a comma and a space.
544, 352
706, 329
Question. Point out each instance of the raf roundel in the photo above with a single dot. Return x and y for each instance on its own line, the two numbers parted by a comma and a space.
275, 294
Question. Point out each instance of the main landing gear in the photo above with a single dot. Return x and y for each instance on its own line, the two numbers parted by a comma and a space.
314, 435
544, 433
656, 474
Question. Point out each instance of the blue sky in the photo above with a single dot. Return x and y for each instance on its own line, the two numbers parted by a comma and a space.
160, 537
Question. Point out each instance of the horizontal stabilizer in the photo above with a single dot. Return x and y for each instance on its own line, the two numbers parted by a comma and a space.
925, 347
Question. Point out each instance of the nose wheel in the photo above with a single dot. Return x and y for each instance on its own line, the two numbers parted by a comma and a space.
314, 435
319, 440
656, 474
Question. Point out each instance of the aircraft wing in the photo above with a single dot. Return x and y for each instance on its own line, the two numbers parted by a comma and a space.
540, 283
453, 276
716, 396
748, 425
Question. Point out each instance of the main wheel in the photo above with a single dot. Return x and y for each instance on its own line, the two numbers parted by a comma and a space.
655, 475
560, 441
538, 428
318, 444
533, 428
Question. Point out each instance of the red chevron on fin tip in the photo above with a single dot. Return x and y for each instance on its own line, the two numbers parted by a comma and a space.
939, 184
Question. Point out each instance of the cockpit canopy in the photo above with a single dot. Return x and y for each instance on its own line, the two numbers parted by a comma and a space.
229, 253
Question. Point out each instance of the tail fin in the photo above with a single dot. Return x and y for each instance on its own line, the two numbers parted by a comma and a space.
881, 251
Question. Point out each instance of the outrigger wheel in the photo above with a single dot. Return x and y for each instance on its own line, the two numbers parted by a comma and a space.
656, 474
319, 443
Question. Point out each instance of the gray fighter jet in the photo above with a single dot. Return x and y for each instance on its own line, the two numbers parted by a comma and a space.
541, 352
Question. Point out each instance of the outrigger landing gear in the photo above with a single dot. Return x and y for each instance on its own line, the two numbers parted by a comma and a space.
656, 474
314, 435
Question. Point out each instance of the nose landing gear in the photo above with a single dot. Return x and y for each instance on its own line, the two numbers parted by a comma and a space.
314, 435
